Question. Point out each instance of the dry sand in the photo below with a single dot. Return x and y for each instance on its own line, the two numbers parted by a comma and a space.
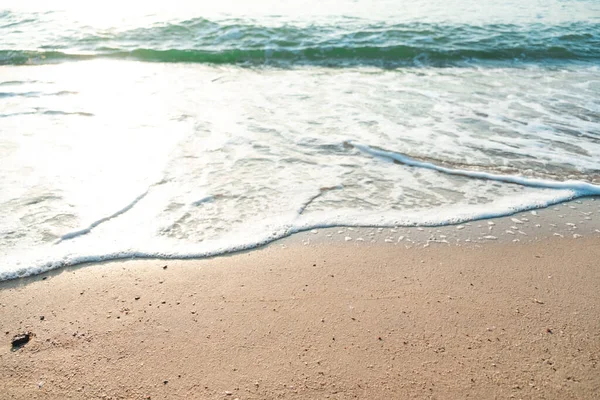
329, 320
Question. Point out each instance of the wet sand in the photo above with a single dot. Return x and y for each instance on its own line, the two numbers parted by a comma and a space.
340, 319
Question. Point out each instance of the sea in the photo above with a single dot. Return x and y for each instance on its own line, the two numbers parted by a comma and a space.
178, 129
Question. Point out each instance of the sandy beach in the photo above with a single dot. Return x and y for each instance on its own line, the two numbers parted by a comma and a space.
329, 320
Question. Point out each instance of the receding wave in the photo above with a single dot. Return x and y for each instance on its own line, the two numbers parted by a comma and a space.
202, 41
562, 191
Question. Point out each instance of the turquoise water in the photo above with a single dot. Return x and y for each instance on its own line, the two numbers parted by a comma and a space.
167, 130
429, 33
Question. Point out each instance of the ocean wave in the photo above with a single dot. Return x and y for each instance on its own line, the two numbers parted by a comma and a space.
238, 42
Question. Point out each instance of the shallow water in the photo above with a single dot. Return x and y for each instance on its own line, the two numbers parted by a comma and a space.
189, 132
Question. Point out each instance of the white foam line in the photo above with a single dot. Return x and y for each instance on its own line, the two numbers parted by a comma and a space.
318, 223
85, 231
73, 261
571, 189
581, 188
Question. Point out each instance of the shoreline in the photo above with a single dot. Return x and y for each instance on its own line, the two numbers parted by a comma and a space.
575, 218
329, 319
